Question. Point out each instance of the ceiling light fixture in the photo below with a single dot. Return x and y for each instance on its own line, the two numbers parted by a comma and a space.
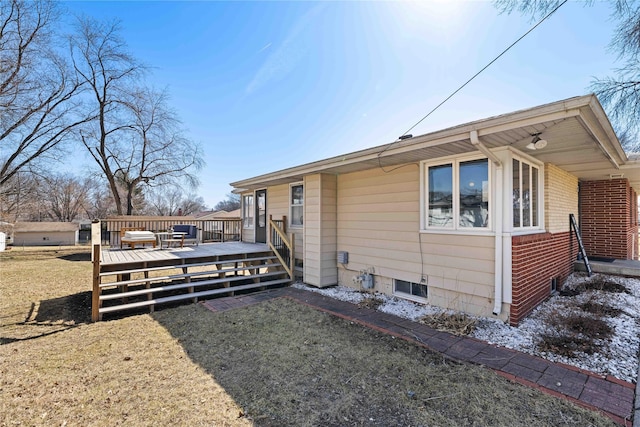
537, 143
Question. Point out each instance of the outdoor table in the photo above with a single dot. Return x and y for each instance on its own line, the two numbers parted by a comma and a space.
169, 237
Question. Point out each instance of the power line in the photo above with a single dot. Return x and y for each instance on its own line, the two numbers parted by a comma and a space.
405, 134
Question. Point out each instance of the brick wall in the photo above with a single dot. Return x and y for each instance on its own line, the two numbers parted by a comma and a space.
536, 260
608, 222
560, 198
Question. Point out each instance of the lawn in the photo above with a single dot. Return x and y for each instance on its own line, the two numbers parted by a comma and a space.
277, 363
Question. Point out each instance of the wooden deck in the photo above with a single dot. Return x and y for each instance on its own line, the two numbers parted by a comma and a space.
116, 257
128, 279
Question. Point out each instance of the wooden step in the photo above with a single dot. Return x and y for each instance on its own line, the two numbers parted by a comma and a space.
198, 294
185, 275
195, 264
186, 285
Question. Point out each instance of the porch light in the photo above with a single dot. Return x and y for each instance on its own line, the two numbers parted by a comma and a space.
537, 143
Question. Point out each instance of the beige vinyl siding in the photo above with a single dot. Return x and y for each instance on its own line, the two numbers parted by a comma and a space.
248, 235
378, 224
277, 208
278, 201
320, 267
561, 198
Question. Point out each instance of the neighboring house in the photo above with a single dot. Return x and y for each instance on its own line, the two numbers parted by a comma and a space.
208, 215
473, 217
45, 233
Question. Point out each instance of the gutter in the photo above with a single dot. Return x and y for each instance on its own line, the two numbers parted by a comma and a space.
499, 250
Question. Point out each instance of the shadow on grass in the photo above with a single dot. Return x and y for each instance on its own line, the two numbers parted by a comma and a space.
79, 256
286, 364
49, 317
74, 308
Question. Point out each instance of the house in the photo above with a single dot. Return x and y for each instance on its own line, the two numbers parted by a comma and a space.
473, 217
45, 233
209, 215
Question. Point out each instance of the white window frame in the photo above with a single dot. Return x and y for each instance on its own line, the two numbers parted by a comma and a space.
251, 213
424, 195
540, 194
407, 296
291, 205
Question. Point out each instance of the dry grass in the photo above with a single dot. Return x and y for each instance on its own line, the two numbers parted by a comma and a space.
582, 327
274, 364
455, 323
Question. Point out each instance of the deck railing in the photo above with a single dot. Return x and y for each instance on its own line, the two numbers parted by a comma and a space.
209, 230
281, 244
145, 279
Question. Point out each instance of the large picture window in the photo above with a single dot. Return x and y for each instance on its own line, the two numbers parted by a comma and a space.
297, 205
247, 211
525, 194
458, 195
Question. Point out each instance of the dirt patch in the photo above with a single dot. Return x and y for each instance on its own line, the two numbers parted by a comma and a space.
601, 283
600, 309
566, 345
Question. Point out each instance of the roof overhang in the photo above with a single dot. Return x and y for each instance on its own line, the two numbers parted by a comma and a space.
580, 139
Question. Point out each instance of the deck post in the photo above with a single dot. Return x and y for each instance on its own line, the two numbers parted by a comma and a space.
96, 245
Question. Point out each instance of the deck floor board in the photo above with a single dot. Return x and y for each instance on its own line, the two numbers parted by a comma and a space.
116, 256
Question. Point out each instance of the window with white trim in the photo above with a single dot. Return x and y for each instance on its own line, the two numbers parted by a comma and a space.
458, 195
296, 210
410, 290
248, 211
526, 205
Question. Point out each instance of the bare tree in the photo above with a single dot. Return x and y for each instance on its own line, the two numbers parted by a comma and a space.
136, 141
192, 203
99, 201
158, 153
64, 196
101, 61
38, 93
19, 200
169, 200
231, 203
619, 94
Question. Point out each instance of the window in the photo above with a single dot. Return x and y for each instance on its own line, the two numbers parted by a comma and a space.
247, 211
458, 195
410, 289
525, 194
441, 196
297, 205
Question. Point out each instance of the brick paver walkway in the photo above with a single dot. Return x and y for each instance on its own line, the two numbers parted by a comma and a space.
611, 396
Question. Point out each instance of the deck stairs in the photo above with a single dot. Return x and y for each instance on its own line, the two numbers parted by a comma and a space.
188, 280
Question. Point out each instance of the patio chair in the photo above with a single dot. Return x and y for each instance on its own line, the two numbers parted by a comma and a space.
190, 230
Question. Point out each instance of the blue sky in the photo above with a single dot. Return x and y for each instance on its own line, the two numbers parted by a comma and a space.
268, 85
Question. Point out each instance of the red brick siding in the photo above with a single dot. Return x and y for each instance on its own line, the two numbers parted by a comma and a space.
608, 218
536, 259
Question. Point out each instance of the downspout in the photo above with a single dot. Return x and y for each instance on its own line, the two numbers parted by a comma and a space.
498, 194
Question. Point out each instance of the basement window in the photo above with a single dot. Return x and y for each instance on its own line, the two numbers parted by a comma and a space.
410, 290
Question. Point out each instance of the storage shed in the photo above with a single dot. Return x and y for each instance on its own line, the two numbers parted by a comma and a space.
45, 233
